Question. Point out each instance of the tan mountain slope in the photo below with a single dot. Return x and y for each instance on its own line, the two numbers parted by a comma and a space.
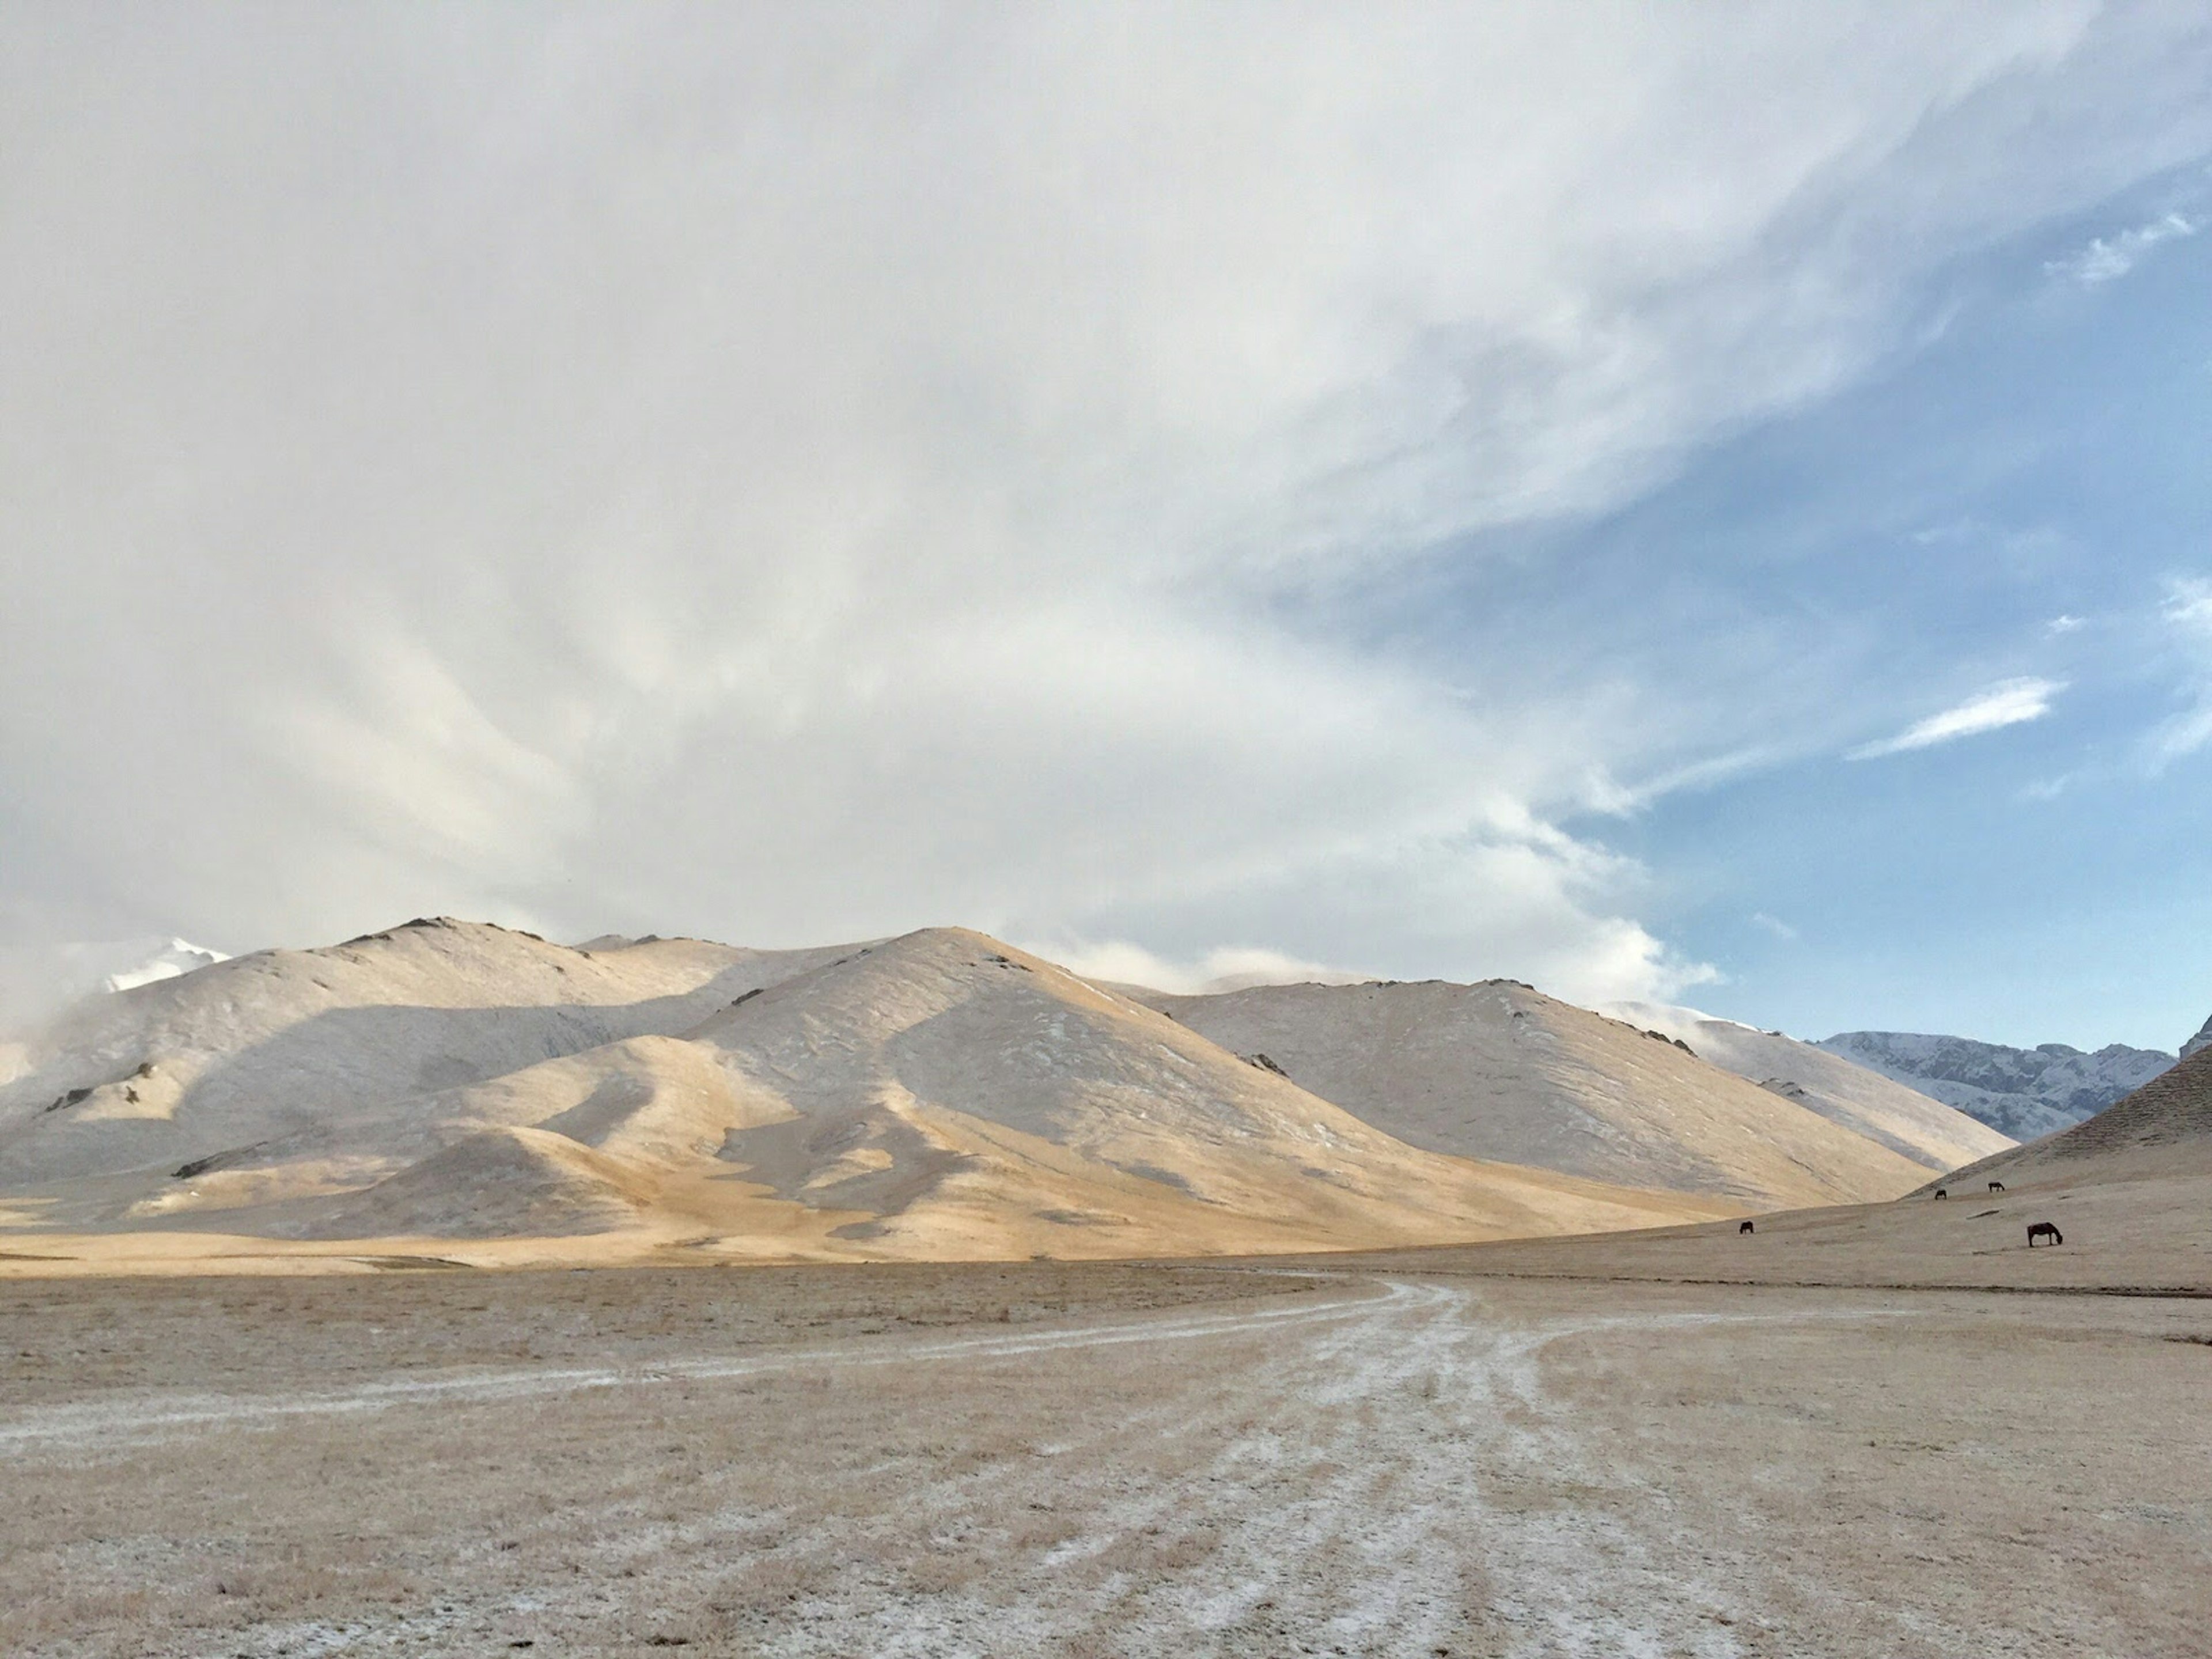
1903, 1119
936, 1096
2164, 1129
467, 1161
1500, 1071
289, 1043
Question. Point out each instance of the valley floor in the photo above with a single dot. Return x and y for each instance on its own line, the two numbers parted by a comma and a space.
1096, 1460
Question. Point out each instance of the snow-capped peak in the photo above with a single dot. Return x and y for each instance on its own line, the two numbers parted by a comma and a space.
171, 961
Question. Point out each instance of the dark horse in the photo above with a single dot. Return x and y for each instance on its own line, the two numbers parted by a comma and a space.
1942, 1192
1743, 1228
1996, 1185
2045, 1230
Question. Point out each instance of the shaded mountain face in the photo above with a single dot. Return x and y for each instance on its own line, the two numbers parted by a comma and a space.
1909, 1123
2023, 1092
1500, 1071
935, 1095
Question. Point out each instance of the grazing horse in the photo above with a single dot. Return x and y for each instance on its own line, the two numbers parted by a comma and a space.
1742, 1230
2045, 1230
1942, 1192
1996, 1185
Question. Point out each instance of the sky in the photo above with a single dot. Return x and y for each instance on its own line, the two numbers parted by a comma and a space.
1705, 503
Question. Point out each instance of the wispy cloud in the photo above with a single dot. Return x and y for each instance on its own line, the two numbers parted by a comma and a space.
1773, 925
2105, 258
2067, 624
2188, 611
2009, 702
1604, 793
2188, 606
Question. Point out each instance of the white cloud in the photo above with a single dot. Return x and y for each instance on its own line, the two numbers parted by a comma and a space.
2009, 702
2105, 258
2064, 624
1774, 924
792, 474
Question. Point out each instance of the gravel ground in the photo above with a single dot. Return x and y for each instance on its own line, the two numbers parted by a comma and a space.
1108, 1460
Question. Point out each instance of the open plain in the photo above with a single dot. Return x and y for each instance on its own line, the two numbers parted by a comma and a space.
1421, 1454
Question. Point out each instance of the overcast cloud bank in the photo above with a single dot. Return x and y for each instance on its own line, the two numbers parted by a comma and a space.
795, 476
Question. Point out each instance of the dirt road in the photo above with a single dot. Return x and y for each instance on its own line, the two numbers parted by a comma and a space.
1112, 1460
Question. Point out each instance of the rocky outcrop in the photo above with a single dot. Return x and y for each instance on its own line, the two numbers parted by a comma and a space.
2202, 1040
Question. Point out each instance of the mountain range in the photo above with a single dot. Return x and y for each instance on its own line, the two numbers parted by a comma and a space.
2024, 1092
448, 1085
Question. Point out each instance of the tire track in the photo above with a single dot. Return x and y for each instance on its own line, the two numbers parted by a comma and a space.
143, 1420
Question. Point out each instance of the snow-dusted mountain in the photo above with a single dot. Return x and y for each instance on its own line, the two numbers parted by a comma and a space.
2202, 1040
937, 1096
2023, 1092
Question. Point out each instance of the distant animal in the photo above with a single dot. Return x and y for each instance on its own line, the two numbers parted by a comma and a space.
2045, 1230
1996, 1185
1744, 1229
1942, 1192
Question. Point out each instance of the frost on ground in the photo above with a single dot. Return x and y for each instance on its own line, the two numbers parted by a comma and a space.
1275, 1465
